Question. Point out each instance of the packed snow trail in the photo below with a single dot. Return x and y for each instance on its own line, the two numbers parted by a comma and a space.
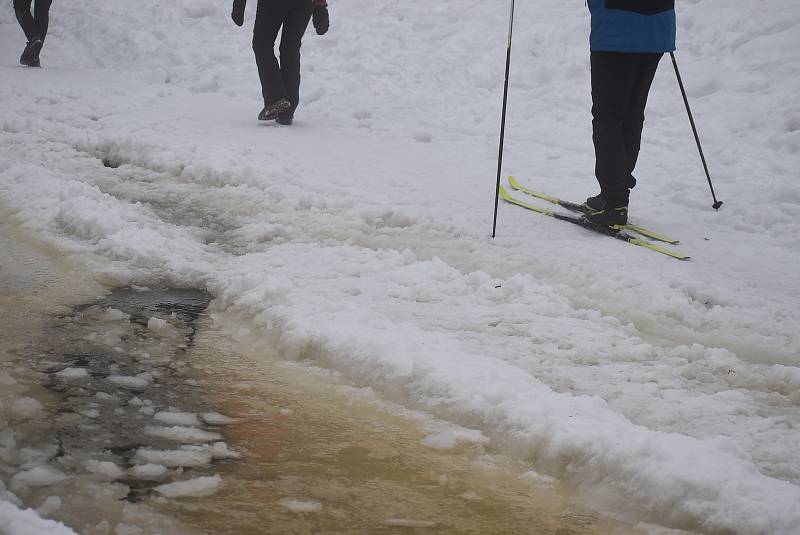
664, 390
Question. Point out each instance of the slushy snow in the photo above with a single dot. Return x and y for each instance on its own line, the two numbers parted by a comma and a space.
357, 239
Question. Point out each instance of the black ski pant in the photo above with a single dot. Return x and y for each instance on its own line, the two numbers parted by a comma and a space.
33, 24
280, 80
620, 84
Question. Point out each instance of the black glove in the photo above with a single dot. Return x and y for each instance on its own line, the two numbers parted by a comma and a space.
238, 12
321, 19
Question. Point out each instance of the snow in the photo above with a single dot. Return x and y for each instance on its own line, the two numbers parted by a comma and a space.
26, 522
357, 239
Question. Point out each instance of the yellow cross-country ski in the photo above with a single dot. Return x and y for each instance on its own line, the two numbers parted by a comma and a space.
607, 231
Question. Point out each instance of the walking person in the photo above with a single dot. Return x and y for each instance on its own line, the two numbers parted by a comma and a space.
628, 39
280, 81
35, 27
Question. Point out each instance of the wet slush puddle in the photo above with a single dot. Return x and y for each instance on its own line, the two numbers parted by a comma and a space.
316, 458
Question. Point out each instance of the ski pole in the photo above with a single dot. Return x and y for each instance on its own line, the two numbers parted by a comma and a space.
717, 204
503, 120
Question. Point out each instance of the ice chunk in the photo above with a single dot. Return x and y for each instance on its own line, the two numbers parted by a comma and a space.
138, 382
6, 379
148, 471
215, 418
42, 455
49, 506
112, 314
73, 373
299, 506
449, 439
191, 456
540, 479
220, 451
156, 324
182, 434
104, 396
409, 523
104, 468
177, 418
40, 476
196, 488
26, 409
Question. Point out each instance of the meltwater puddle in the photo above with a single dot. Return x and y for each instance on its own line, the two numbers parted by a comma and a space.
318, 457
131, 412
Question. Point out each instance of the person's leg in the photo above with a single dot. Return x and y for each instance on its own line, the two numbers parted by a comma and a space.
41, 15
269, 18
22, 9
634, 120
613, 76
294, 27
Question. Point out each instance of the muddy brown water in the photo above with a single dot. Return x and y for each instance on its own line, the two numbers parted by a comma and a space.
317, 456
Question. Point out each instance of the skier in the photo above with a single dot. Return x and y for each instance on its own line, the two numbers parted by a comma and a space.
280, 84
35, 27
628, 39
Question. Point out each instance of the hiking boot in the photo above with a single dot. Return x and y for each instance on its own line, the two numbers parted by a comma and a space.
285, 118
609, 215
272, 110
30, 56
36, 48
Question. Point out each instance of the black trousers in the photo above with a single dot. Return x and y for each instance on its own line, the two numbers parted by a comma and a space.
620, 85
280, 80
33, 24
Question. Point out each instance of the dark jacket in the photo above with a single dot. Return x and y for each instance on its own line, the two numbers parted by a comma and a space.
632, 25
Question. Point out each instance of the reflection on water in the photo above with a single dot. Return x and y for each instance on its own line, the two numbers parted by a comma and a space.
317, 460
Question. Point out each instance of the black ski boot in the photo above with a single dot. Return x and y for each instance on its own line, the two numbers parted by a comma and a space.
592, 204
608, 214
30, 56
272, 110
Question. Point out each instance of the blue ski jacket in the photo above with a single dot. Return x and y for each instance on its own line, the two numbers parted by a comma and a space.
632, 25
